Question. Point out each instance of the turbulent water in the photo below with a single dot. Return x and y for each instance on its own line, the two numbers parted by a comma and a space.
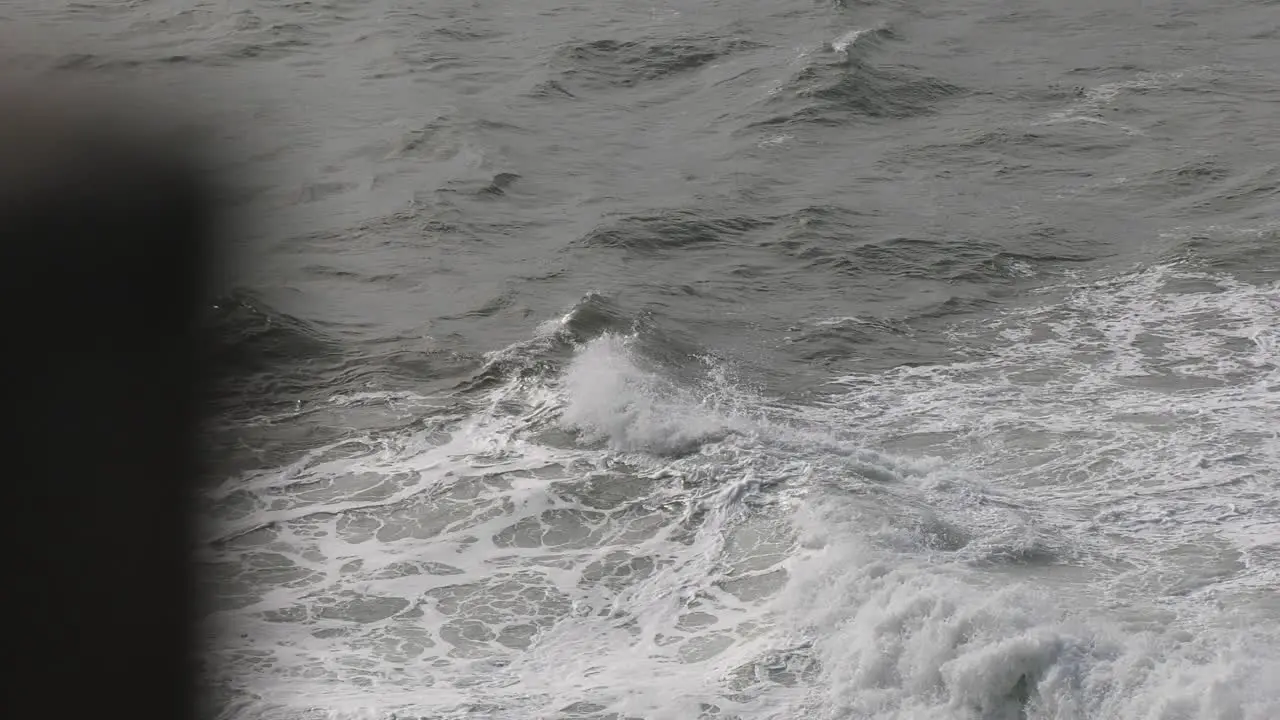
788, 359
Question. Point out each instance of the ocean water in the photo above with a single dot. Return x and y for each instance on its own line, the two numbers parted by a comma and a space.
718, 360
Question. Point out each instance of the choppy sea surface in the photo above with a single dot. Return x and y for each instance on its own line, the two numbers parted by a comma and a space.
789, 359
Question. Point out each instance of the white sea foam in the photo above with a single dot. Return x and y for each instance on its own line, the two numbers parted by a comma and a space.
898, 638
847, 40
1079, 524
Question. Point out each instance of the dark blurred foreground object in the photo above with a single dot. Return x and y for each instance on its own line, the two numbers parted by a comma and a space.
106, 235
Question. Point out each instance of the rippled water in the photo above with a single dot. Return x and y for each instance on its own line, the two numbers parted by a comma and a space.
736, 360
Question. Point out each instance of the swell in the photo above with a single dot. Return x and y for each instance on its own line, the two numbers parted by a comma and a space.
670, 229
843, 83
654, 340
608, 63
248, 336
273, 378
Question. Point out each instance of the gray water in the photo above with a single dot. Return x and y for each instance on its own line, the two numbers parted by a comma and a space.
735, 360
